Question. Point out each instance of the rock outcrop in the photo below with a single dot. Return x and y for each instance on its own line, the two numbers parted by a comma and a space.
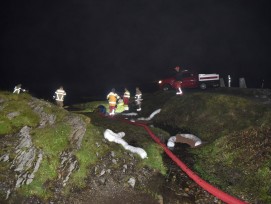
21, 158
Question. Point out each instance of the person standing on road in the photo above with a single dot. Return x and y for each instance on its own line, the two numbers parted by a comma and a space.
138, 98
112, 98
59, 96
126, 98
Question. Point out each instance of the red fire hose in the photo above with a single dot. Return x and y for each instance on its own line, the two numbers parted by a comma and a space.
205, 185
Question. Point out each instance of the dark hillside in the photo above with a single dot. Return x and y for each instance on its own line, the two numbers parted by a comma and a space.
49, 154
235, 125
211, 115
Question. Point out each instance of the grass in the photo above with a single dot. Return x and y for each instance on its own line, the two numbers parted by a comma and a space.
89, 106
52, 141
235, 158
15, 103
236, 129
210, 115
46, 174
238, 162
91, 145
92, 106
155, 160
136, 137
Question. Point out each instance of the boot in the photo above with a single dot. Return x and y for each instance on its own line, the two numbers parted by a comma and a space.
179, 92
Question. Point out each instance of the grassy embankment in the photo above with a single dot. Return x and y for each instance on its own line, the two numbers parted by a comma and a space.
52, 140
237, 130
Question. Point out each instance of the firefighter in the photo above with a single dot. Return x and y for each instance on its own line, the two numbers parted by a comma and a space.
18, 89
178, 83
126, 98
177, 69
178, 86
59, 96
112, 98
138, 98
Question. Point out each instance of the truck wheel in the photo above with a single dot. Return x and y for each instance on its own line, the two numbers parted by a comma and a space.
166, 87
203, 86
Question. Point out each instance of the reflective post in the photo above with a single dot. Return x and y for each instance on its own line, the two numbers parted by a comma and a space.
229, 81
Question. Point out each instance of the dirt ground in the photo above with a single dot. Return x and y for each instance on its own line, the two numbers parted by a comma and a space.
108, 185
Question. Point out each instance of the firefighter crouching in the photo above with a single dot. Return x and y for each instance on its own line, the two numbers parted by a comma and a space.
59, 96
112, 98
18, 89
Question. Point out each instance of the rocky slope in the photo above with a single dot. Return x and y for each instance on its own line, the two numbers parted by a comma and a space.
51, 155
22, 155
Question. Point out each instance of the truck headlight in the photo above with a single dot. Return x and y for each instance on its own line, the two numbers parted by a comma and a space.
160, 81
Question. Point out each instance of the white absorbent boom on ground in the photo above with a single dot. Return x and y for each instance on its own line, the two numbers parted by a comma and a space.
151, 116
190, 139
117, 138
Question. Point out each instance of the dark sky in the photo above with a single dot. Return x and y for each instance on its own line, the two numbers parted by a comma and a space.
91, 46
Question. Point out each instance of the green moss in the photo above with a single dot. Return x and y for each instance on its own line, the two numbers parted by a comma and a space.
89, 106
235, 157
238, 162
210, 115
91, 145
25, 116
136, 136
5, 125
235, 130
92, 106
45, 174
52, 141
155, 159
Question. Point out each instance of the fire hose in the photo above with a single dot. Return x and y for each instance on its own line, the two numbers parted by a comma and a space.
205, 185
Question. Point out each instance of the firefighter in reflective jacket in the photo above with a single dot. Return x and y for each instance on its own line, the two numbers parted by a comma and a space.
126, 98
59, 96
138, 99
178, 87
18, 89
112, 98
178, 83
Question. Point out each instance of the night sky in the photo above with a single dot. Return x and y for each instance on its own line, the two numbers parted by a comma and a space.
91, 46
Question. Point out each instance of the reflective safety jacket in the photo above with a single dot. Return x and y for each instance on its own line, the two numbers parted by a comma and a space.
112, 98
60, 93
17, 89
138, 95
126, 94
